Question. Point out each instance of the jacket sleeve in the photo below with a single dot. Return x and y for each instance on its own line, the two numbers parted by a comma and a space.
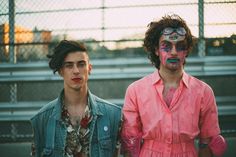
36, 144
131, 134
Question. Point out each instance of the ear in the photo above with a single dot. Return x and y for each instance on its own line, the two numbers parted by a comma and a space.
60, 72
186, 53
157, 52
90, 69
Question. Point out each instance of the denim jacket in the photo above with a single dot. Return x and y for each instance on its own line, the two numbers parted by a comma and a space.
50, 131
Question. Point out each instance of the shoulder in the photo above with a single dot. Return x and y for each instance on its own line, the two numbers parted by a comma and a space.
46, 109
107, 109
200, 82
106, 104
141, 83
140, 87
197, 84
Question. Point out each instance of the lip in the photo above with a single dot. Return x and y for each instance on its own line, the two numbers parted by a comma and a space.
173, 60
77, 79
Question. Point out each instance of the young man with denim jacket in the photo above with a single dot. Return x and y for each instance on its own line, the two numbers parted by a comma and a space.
77, 123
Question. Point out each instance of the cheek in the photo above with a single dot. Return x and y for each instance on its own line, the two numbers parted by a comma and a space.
61, 73
164, 56
182, 55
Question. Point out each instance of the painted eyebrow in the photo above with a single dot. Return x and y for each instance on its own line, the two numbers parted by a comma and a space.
165, 42
81, 61
181, 42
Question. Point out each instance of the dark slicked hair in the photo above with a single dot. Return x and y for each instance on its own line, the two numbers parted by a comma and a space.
153, 34
61, 51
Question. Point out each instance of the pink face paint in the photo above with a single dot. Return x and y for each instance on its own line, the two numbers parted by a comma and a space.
169, 57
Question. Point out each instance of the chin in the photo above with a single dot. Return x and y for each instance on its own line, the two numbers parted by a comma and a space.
76, 87
174, 68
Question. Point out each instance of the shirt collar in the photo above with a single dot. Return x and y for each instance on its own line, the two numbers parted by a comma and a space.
155, 76
94, 105
185, 79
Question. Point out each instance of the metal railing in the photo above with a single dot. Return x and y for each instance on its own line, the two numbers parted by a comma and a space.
23, 111
114, 69
117, 69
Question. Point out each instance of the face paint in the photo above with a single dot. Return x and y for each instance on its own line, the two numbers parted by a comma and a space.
172, 48
172, 60
171, 52
167, 58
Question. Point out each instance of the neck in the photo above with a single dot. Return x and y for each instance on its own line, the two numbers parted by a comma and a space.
171, 77
76, 97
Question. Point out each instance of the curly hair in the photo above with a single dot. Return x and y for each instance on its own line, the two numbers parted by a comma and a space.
61, 51
153, 34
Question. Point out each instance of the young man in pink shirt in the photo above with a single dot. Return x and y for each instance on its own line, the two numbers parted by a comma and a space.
167, 110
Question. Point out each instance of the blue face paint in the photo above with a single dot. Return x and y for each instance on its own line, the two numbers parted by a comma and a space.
172, 53
172, 60
167, 46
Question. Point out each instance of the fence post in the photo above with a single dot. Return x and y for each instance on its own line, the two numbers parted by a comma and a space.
13, 86
201, 39
103, 22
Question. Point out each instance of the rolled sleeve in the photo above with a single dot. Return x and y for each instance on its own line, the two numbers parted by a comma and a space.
209, 124
131, 134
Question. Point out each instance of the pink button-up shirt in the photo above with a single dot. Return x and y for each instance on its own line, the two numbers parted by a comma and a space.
167, 131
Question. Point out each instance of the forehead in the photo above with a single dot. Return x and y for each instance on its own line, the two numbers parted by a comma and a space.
76, 56
163, 39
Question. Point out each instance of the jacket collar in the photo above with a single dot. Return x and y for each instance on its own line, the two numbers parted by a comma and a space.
56, 113
94, 105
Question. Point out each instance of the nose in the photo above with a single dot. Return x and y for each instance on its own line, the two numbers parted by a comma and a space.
173, 51
75, 69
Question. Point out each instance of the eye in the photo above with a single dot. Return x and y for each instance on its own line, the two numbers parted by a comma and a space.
166, 47
68, 65
81, 64
181, 47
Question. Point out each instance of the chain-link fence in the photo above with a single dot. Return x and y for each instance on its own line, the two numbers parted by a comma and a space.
29, 29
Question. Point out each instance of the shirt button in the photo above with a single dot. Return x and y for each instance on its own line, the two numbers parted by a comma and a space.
168, 140
105, 128
131, 141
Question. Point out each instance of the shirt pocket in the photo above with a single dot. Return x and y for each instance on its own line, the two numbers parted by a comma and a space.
47, 152
105, 145
56, 152
188, 123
